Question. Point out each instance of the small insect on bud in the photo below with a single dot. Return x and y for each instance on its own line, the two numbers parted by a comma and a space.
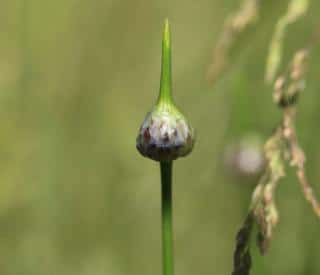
165, 134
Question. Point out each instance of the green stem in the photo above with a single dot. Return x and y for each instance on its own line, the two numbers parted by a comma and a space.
165, 96
166, 200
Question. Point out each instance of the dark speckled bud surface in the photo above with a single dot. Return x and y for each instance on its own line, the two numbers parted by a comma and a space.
165, 136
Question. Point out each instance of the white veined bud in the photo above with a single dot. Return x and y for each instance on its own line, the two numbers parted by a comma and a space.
165, 136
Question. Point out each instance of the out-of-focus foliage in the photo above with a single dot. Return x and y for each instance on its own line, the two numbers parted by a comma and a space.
296, 9
76, 78
281, 147
234, 25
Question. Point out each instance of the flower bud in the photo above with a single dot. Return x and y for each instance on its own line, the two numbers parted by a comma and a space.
165, 134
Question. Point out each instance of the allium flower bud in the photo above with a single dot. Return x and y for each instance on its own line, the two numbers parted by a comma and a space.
165, 134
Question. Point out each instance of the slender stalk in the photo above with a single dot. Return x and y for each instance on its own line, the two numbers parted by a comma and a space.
166, 200
165, 96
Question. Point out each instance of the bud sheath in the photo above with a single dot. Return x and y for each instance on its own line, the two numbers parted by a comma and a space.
165, 134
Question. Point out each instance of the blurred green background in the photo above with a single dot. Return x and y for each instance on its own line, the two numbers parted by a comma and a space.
76, 79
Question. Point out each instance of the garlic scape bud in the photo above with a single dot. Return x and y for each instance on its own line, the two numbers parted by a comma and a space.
165, 134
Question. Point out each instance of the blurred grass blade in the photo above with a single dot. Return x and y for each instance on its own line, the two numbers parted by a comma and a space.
296, 9
234, 26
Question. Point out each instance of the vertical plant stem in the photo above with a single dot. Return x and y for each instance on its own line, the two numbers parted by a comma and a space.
166, 208
165, 95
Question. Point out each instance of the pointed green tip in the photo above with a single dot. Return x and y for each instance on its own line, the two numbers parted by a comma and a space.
165, 84
166, 33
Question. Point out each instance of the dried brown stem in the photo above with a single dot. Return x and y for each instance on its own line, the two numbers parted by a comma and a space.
282, 147
308, 191
242, 257
233, 27
296, 155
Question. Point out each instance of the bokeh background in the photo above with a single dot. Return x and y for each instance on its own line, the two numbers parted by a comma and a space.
76, 79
